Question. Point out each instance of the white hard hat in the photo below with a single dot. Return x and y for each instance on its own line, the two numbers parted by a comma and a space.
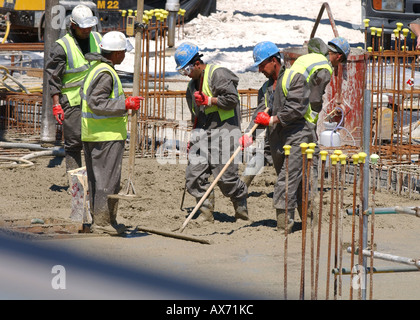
83, 17
115, 41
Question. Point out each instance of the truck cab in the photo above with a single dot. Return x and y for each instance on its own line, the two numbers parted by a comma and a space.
386, 14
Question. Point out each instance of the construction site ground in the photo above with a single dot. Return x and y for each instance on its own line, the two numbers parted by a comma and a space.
243, 259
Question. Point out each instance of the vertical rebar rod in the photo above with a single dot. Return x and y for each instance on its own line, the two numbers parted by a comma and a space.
355, 158
303, 147
321, 195
337, 153
286, 218
342, 159
374, 160
333, 158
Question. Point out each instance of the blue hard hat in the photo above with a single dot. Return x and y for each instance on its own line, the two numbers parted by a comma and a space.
184, 53
340, 45
264, 50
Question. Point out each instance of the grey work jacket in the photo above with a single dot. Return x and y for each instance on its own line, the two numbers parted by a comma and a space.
223, 85
100, 90
293, 129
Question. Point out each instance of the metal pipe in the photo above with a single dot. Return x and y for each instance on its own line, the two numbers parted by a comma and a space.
388, 210
173, 7
390, 257
346, 271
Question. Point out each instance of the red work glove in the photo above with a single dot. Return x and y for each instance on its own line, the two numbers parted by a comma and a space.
201, 99
263, 118
245, 141
133, 103
58, 113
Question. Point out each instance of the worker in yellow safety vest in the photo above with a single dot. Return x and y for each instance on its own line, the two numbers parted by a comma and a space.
66, 69
213, 100
104, 130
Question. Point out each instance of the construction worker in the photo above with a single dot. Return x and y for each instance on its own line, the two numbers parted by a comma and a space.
104, 130
213, 100
268, 60
289, 122
66, 69
318, 70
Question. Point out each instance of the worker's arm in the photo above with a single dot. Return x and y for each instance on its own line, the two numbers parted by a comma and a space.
260, 108
98, 97
317, 84
55, 69
224, 88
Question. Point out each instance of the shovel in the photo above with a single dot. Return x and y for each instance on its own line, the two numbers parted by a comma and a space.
204, 197
129, 191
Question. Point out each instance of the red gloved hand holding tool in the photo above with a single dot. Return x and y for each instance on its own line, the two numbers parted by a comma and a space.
245, 141
133, 103
58, 113
201, 99
264, 118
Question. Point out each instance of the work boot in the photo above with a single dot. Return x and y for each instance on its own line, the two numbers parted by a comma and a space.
280, 213
111, 229
207, 208
248, 179
241, 209
73, 160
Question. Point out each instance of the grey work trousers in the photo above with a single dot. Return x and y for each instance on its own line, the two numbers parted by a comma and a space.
103, 167
72, 136
197, 174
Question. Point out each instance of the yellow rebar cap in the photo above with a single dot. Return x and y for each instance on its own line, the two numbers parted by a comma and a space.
309, 153
312, 145
334, 159
287, 149
303, 147
355, 158
362, 157
324, 155
366, 22
343, 158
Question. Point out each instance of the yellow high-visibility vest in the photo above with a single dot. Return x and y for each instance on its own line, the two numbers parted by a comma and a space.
76, 66
103, 128
223, 114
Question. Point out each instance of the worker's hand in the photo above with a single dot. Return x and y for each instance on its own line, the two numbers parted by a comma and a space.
58, 113
245, 141
264, 118
133, 103
201, 99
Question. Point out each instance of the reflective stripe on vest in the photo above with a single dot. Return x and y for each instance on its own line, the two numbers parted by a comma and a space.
311, 62
223, 114
76, 66
103, 128
265, 93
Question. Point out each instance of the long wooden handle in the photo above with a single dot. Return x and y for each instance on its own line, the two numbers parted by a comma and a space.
204, 197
